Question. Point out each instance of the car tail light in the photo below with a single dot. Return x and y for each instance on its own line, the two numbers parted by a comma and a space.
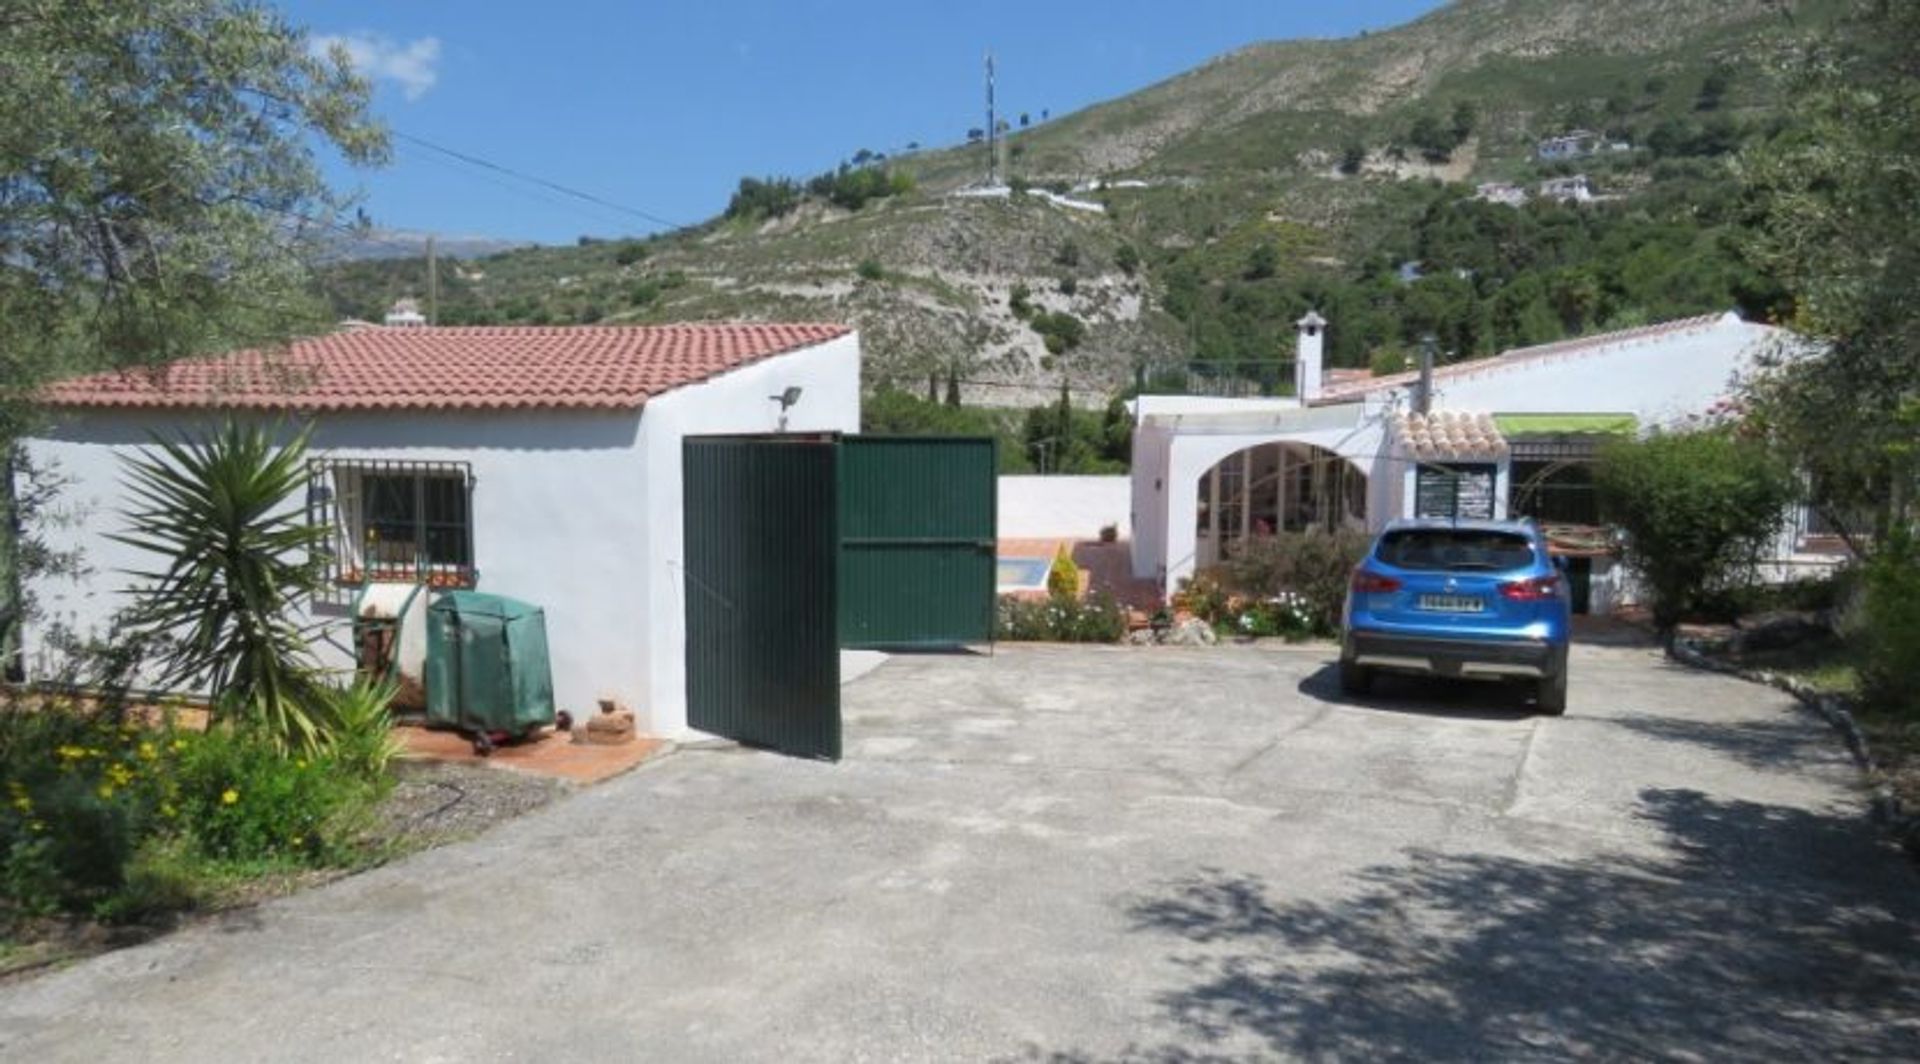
1538, 589
1367, 582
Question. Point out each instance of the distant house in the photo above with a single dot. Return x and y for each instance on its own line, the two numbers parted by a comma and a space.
545, 464
1573, 144
1512, 435
1575, 189
405, 313
1501, 192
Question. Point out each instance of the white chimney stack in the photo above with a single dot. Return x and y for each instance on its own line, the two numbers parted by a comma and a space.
1307, 365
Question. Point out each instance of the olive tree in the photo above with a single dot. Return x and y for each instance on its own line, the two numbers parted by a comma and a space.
159, 192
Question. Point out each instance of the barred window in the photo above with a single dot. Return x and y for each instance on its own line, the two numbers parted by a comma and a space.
392, 520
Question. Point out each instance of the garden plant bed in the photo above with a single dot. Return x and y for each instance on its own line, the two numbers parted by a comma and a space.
431, 804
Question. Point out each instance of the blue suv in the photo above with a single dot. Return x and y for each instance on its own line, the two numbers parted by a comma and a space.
1474, 599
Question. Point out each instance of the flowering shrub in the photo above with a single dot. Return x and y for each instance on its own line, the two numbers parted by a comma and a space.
84, 798
1097, 618
1288, 615
1310, 568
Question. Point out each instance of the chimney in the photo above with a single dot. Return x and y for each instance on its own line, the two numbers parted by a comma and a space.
1423, 391
1307, 364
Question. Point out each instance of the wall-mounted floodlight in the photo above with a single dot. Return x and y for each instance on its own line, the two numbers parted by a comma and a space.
786, 399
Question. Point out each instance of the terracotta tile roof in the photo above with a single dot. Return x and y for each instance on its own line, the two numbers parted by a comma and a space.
1449, 436
1346, 391
486, 368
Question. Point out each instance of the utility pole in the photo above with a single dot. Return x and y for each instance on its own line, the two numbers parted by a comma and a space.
433, 283
993, 132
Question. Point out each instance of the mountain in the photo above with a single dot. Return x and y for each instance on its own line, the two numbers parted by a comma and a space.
377, 243
1195, 219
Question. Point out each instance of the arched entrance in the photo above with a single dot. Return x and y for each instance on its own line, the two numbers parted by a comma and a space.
1275, 487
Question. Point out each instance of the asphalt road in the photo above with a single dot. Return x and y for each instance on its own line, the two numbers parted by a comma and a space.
1088, 854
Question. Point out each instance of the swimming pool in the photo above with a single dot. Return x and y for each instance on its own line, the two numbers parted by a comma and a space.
1021, 574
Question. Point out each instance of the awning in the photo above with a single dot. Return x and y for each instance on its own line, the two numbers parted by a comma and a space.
1512, 425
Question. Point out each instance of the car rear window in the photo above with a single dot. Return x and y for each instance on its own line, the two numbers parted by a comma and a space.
1455, 549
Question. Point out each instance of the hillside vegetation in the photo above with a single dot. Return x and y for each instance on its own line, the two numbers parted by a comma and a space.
1330, 174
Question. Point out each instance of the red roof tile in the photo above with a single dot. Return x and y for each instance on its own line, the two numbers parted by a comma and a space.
1348, 390
486, 368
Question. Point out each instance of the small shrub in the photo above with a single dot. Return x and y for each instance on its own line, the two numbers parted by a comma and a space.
357, 727
1890, 633
239, 799
1109, 533
1063, 578
1020, 301
630, 252
1098, 618
870, 270
1387, 360
1697, 509
1205, 596
1127, 258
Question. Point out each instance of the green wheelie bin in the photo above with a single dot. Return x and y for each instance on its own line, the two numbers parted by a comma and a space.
487, 668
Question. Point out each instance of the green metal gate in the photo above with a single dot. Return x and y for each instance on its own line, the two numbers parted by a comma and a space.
917, 526
763, 663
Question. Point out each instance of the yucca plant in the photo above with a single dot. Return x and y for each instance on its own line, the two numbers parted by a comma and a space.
239, 557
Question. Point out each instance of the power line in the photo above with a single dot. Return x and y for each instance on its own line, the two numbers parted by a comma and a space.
588, 197
584, 210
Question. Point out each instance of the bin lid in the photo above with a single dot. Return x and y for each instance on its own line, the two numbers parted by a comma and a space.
481, 604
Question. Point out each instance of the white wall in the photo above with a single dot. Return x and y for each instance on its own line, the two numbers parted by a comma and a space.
1659, 379
1033, 507
1152, 457
736, 402
558, 506
576, 511
1189, 456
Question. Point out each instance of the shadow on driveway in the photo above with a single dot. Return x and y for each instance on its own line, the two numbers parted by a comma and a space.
1424, 696
1765, 933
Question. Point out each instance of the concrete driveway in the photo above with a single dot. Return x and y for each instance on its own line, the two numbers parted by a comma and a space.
1081, 854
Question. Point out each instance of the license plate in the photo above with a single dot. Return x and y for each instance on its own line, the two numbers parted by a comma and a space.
1452, 603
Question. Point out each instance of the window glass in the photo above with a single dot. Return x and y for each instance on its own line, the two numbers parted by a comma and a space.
1455, 549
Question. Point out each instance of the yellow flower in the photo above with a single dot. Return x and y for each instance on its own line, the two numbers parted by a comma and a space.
23, 803
105, 790
229, 796
147, 752
299, 840
70, 752
120, 774
179, 745
36, 825
301, 763
167, 810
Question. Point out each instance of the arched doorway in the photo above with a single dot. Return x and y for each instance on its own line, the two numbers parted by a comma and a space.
1275, 487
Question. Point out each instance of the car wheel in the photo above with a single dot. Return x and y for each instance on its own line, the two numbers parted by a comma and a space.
1355, 679
1552, 694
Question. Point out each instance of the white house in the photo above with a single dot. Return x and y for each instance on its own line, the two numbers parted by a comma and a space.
1570, 145
539, 463
1510, 435
1575, 189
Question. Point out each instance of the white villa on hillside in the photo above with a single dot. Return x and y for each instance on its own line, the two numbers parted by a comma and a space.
1511, 435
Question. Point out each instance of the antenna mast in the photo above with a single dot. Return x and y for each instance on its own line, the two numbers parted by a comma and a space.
993, 131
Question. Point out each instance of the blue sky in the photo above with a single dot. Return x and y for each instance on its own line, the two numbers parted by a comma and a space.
663, 107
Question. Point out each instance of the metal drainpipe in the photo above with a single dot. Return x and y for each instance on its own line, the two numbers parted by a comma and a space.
1423, 392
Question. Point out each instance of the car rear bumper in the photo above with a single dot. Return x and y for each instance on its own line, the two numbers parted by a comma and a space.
1479, 658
